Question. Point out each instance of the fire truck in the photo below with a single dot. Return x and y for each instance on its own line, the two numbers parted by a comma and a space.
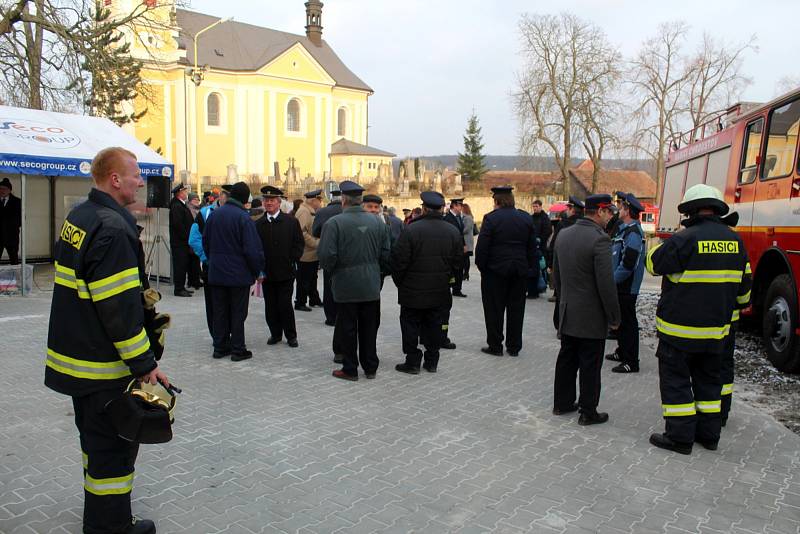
750, 153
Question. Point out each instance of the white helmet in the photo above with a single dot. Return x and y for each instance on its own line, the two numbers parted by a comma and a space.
703, 196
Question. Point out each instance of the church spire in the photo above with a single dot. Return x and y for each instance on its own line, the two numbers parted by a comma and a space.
314, 21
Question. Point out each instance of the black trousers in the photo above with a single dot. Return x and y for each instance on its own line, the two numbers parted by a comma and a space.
581, 358
421, 325
180, 264
278, 309
328, 304
726, 373
193, 270
690, 393
444, 320
466, 256
533, 281
108, 465
11, 245
459, 277
357, 326
628, 332
209, 300
503, 297
307, 283
230, 312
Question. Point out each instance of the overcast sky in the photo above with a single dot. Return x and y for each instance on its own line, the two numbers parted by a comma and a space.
431, 61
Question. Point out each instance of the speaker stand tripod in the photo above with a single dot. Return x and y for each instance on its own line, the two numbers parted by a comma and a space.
155, 250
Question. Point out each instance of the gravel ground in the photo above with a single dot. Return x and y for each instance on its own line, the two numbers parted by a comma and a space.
757, 382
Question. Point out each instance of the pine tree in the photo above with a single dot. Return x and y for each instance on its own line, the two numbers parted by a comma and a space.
471, 164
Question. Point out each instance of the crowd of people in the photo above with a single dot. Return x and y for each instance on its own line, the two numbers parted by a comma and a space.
104, 329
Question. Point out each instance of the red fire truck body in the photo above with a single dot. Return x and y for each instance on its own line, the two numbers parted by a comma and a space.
752, 157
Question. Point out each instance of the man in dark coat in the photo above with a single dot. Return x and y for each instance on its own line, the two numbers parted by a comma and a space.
180, 224
453, 216
584, 278
541, 231
504, 254
328, 304
283, 245
10, 221
235, 259
423, 260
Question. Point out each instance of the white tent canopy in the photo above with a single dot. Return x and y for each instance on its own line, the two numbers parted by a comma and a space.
59, 144
59, 148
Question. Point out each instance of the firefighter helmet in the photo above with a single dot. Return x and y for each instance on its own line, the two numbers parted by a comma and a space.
703, 196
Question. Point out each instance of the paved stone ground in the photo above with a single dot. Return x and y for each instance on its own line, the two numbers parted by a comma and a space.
275, 444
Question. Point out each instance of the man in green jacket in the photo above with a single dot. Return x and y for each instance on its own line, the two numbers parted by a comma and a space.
355, 248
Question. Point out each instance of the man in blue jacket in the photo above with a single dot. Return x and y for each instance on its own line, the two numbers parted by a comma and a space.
196, 243
627, 249
235, 258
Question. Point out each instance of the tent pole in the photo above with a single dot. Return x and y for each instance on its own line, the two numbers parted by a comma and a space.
23, 240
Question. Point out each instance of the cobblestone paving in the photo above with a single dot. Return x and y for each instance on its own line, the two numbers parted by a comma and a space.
275, 444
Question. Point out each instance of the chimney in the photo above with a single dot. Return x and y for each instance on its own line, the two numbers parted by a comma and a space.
314, 21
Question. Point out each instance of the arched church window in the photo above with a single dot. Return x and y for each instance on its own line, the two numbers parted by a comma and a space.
341, 121
293, 115
212, 109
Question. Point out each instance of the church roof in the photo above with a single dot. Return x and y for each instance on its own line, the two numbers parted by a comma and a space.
238, 46
345, 147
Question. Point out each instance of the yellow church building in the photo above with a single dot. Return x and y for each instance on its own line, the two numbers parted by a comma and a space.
261, 99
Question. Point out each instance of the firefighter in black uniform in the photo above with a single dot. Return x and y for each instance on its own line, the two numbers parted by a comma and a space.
706, 277
98, 339
504, 254
423, 260
727, 368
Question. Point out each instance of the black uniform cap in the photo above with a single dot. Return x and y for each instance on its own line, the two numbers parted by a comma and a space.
632, 202
432, 199
576, 202
270, 191
596, 202
316, 193
349, 187
178, 188
502, 189
372, 198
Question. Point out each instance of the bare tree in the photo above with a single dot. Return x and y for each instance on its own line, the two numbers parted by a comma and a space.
658, 78
561, 91
786, 84
70, 55
715, 78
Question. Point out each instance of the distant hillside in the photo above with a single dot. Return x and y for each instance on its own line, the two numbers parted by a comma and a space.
522, 163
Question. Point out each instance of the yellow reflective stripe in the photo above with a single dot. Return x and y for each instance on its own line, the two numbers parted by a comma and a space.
735, 316
64, 276
109, 486
709, 406
747, 269
114, 284
133, 347
445, 327
692, 332
727, 389
678, 410
85, 460
86, 369
710, 276
649, 261
743, 299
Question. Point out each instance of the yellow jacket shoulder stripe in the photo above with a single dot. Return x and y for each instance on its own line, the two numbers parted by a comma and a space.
64, 276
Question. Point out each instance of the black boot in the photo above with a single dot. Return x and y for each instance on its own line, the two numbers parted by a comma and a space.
663, 442
140, 526
406, 368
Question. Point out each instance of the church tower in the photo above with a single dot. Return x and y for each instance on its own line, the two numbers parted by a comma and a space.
314, 21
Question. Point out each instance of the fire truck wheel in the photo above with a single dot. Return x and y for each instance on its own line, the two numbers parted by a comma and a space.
779, 323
